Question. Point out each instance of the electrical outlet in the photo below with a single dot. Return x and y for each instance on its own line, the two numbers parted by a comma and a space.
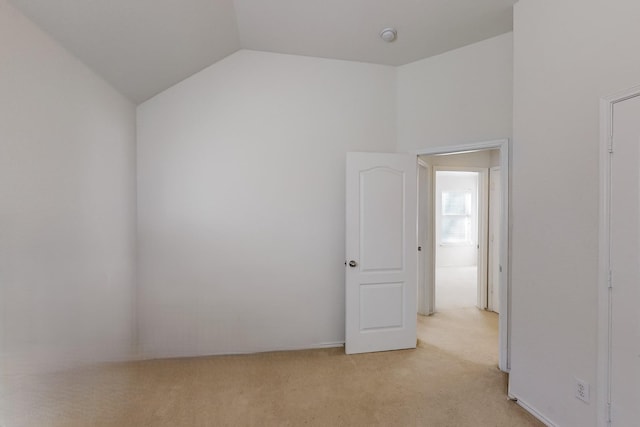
582, 390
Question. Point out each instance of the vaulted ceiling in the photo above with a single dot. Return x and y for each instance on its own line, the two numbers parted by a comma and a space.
142, 47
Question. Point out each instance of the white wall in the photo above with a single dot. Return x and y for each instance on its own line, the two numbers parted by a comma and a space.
477, 159
241, 201
494, 158
67, 207
458, 97
567, 55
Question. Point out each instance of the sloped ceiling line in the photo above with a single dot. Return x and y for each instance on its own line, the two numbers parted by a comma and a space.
143, 47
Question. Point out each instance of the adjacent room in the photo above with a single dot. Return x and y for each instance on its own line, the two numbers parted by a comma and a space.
229, 212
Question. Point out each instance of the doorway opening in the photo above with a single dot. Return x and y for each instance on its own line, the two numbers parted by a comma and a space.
458, 231
463, 238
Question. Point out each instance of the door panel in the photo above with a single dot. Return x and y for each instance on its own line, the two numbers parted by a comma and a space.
381, 219
381, 305
381, 244
625, 264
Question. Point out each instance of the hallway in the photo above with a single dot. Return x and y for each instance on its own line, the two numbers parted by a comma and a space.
456, 287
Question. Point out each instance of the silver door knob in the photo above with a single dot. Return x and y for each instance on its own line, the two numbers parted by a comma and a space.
352, 263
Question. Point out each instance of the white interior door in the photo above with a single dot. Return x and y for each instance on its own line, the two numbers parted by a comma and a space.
495, 220
381, 250
625, 264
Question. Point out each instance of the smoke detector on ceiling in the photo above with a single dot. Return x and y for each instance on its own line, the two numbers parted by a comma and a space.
388, 34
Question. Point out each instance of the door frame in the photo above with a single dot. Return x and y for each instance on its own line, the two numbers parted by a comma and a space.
490, 218
426, 239
604, 253
504, 322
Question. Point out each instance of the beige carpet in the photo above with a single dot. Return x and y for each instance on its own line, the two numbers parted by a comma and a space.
451, 379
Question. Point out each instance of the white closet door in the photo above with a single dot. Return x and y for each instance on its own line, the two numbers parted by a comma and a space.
625, 264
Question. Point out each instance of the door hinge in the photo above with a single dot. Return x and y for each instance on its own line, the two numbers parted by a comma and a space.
610, 280
610, 144
609, 413
610, 141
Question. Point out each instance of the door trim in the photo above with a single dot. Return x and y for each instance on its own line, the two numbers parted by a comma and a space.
490, 289
504, 324
604, 252
426, 260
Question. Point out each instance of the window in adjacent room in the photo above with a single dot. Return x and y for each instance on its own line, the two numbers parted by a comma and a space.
456, 217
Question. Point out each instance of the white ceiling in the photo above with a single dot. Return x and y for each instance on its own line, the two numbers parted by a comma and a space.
145, 46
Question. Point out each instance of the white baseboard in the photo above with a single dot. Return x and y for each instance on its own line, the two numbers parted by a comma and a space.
172, 355
309, 347
533, 411
49, 361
